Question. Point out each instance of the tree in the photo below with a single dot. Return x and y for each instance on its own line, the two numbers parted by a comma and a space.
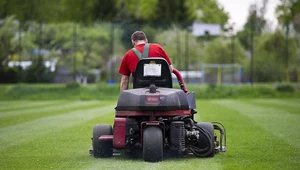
269, 63
169, 40
37, 72
273, 45
254, 24
169, 11
219, 51
210, 11
31, 10
288, 12
7, 31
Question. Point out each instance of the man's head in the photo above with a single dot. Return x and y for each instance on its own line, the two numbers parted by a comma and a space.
138, 37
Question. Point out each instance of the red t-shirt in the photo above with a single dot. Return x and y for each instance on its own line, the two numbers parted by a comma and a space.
130, 59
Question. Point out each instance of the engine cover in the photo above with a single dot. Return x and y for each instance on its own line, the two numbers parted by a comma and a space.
164, 99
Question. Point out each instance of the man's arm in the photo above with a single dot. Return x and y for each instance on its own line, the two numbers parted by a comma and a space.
171, 68
124, 83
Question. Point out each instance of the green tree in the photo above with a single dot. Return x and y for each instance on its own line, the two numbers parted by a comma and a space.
169, 11
37, 72
254, 24
288, 12
7, 31
140, 10
82, 11
31, 10
219, 51
175, 38
210, 11
270, 59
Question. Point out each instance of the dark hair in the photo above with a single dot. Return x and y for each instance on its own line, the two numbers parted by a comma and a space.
138, 35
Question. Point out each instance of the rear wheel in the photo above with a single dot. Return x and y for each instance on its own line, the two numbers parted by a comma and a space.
102, 148
152, 144
210, 129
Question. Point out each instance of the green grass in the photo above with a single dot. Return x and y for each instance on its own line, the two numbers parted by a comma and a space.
103, 91
55, 134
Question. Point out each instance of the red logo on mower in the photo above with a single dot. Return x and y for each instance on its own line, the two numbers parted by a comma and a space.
152, 100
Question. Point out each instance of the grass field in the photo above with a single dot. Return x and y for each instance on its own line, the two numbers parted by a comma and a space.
261, 134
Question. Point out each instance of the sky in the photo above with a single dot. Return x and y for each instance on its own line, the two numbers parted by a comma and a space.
238, 11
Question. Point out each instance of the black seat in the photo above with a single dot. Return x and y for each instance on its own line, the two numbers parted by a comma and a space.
144, 79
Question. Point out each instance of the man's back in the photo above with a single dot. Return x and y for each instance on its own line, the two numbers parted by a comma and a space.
130, 59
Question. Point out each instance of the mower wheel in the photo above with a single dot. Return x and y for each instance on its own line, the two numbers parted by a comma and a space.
209, 127
152, 144
102, 148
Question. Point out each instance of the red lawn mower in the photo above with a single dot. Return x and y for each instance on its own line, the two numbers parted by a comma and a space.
157, 120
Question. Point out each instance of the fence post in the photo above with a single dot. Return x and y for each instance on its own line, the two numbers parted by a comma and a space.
178, 50
112, 37
232, 57
75, 50
187, 55
287, 75
287, 51
298, 75
219, 75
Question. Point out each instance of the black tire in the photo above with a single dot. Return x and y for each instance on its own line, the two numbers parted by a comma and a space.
152, 144
102, 148
209, 127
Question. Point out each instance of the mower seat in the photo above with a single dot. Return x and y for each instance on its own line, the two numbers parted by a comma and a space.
152, 71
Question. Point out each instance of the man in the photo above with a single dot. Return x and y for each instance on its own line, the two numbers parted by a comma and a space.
130, 59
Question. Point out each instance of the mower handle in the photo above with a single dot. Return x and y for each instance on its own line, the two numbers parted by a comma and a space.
180, 80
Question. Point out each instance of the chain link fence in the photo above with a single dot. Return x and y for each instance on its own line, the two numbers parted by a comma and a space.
64, 52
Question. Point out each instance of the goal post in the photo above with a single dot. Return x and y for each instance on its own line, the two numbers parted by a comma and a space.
221, 73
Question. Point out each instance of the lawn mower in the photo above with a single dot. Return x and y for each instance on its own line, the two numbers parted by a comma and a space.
157, 120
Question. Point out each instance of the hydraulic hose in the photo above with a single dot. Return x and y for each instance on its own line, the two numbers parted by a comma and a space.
207, 150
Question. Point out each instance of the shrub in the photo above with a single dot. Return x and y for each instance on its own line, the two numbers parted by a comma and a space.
104, 76
285, 88
73, 85
10, 74
38, 73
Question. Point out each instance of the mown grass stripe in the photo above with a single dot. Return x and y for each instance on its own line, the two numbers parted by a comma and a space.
120, 162
18, 134
63, 149
272, 105
278, 122
249, 144
280, 102
61, 106
24, 105
12, 120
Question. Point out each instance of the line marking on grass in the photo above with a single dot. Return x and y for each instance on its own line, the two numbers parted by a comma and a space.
140, 164
18, 119
290, 103
33, 109
279, 122
21, 133
27, 104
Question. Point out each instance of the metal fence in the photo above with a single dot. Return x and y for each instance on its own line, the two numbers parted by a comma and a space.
91, 53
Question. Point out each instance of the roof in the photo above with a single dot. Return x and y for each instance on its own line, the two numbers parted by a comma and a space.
201, 29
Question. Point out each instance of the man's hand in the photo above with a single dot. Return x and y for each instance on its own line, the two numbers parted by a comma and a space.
124, 83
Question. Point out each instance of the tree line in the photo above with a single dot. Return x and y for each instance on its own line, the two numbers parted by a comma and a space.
94, 34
